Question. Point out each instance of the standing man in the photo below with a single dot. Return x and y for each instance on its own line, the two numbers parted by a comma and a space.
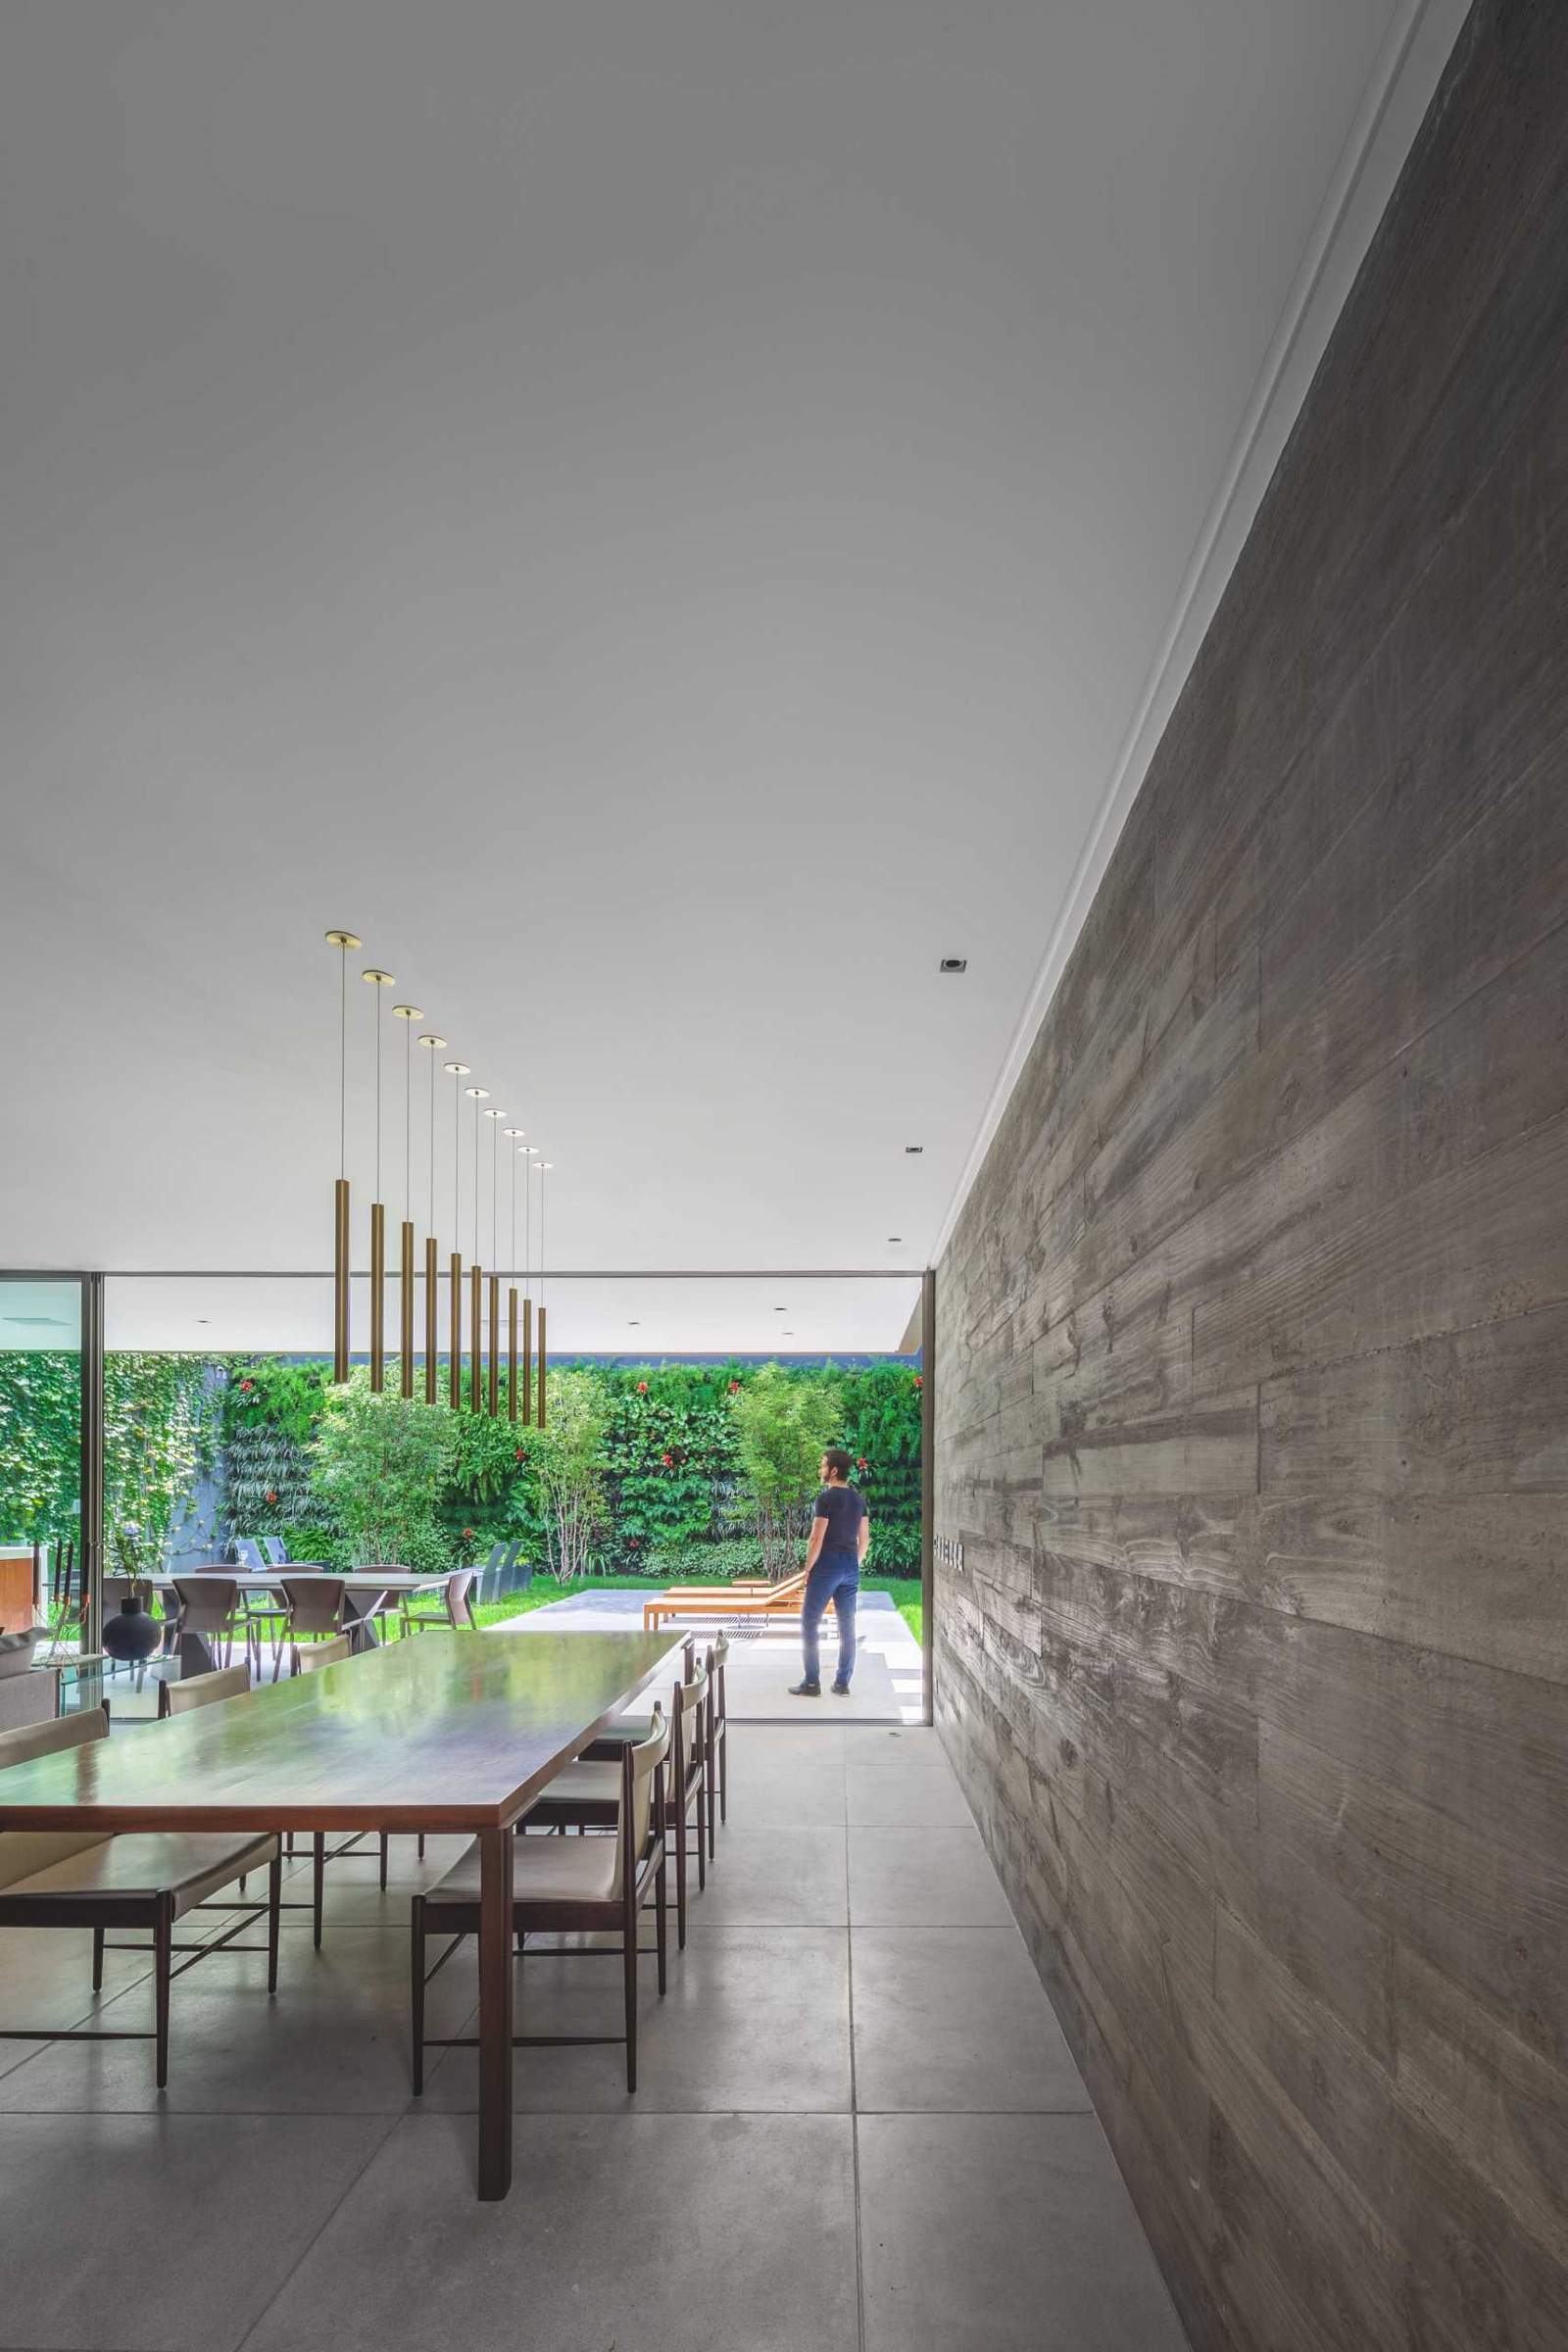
841, 1529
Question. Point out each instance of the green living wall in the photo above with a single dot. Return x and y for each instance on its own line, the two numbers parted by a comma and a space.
674, 1497
199, 1448
162, 1425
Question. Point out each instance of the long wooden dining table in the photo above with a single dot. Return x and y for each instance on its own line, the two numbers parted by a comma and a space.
455, 1733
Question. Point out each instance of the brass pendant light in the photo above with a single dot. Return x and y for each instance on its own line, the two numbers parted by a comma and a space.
456, 1070
530, 1153
544, 1166
493, 1391
378, 980
432, 1323
512, 1135
478, 1094
343, 941
407, 1014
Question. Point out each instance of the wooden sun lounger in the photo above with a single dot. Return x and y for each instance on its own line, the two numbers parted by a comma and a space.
747, 1600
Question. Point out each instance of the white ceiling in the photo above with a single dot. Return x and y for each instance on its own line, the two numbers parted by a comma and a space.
658, 516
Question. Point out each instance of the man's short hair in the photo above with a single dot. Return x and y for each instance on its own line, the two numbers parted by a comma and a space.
837, 1460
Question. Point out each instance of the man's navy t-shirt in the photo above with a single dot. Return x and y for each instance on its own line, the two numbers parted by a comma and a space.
843, 1508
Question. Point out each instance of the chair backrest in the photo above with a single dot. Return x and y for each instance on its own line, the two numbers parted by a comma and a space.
641, 1788
206, 1603
690, 1723
202, 1690
456, 1594
326, 1653
315, 1604
277, 1551
23, 1851
513, 1549
247, 1553
718, 1657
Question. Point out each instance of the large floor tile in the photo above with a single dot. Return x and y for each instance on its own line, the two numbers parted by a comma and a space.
892, 1796
154, 2233
948, 2020
1004, 2233
782, 1791
879, 1744
756, 2019
652, 2234
335, 2040
774, 1878
923, 1877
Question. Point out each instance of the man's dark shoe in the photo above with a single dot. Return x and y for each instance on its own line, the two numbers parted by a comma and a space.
841, 1689
805, 1689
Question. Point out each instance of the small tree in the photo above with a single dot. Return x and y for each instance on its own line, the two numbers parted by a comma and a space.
378, 1465
782, 1424
567, 1458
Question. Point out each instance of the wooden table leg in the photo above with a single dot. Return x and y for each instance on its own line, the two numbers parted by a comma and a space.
495, 2013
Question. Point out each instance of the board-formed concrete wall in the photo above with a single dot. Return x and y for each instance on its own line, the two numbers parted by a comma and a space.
1252, 1345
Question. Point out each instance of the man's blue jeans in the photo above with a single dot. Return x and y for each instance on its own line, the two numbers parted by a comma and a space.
836, 1578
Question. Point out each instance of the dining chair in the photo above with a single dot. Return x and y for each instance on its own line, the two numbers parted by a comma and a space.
316, 1606
564, 1886
101, 1879
717, 1738
584, 1796
454, 1610
310, 1661
201, 1689
210, 1607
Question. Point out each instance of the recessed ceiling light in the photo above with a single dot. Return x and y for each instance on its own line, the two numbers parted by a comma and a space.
954, 964
633, 1324
781, 1310
914, 1149
894, 1237
786, 1334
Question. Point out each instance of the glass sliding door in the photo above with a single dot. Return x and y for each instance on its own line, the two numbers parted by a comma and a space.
48, 1519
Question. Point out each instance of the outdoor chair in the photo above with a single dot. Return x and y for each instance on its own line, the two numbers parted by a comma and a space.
751, 1600
265, 1614
316, 1607
454, 1609
93, 1879
564, 1886
275, 1552
211, 1609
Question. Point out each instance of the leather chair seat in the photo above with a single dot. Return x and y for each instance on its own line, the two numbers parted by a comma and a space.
189, 1865
544, 1869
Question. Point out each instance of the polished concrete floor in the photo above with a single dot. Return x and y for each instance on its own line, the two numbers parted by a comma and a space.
858, 2127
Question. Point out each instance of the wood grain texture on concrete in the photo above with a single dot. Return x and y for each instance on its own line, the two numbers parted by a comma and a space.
1251, 1385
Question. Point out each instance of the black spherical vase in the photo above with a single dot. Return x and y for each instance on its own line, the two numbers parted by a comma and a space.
132, 1636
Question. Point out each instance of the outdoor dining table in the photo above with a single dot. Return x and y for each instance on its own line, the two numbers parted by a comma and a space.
364, 1590
455, 1734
